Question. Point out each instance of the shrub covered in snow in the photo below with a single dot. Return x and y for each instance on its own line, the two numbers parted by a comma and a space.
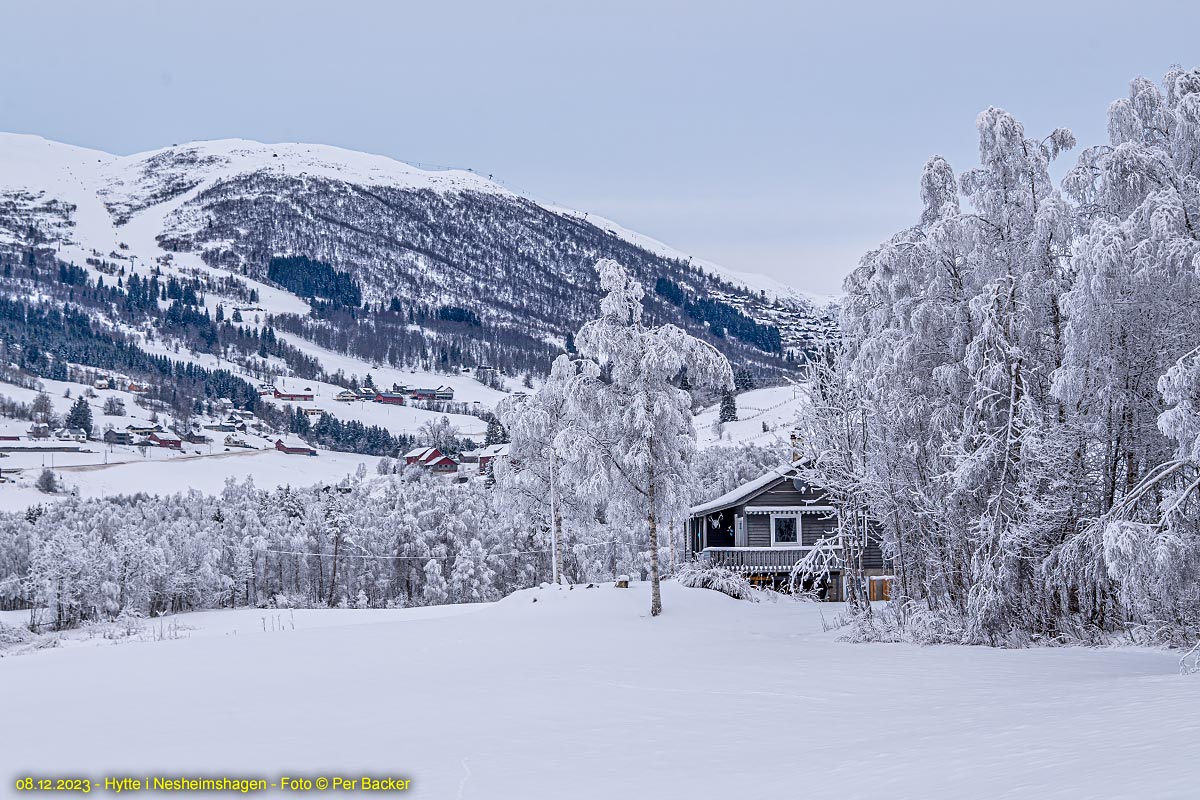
719, 579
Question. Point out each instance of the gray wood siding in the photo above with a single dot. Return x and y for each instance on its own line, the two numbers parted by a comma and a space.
758, 530
814, 527
784, 494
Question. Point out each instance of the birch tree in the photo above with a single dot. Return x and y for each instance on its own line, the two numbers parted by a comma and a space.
640, 438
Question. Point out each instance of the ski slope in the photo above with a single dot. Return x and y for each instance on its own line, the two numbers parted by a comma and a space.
582, 695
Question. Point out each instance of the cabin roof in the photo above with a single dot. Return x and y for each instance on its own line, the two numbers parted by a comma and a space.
747, 490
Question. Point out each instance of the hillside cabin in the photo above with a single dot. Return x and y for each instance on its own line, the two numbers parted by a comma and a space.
265, 389
234, 441
346, 396
143, 430
39, 430
294, 447
166, 440
432, 459
490, 453
138, 388
366, 392
400, 388
295, 397
114, 436
764, 528
389, 398
313, 412
444, 393
424, 394
101, 384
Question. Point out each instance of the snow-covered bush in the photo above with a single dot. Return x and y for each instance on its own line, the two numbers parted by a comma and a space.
719, 579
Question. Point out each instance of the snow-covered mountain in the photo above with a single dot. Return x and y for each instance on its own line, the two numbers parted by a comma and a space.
418, 240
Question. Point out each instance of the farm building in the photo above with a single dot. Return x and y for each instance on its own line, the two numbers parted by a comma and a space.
432, 459
160, 439
389, 398
295, 397
293, 446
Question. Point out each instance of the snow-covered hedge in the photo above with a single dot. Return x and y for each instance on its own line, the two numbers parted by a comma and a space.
719, 579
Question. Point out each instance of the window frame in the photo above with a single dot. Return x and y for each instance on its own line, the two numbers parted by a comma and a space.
799, 535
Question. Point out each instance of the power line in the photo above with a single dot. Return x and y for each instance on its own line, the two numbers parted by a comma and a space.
426, 558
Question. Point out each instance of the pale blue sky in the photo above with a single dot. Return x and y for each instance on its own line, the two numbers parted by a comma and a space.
782, 138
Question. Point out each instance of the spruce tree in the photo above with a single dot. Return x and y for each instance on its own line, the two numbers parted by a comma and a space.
80, 415
729, 412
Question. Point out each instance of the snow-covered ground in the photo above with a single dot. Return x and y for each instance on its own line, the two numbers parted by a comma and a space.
777, 406
582, 695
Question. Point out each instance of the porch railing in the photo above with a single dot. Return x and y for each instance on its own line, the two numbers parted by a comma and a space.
755, 559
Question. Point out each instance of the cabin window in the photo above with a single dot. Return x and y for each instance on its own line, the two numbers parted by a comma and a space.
785, 530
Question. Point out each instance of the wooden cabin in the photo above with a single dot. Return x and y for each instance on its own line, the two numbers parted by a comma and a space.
763, 528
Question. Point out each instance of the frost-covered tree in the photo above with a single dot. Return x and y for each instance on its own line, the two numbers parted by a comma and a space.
534, 480
1012, 353
640, 440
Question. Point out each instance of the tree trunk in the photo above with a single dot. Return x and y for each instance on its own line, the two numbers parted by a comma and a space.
555, 525
337, 540
652, 519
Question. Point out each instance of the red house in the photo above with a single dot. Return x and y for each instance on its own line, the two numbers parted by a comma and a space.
295, 397
294, 447
159, 439
431, 459
424, 394
390, 398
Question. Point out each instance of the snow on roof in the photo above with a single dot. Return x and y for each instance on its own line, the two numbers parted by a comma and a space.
493, 450
417, 452
745, 491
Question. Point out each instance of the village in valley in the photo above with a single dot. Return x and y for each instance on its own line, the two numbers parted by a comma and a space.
333, 461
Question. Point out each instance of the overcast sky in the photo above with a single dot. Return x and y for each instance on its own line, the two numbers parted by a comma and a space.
784, 138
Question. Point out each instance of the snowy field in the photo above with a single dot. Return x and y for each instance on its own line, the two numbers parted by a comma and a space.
581, 695
777, 406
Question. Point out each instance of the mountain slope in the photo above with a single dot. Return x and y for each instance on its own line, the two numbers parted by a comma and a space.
415, 241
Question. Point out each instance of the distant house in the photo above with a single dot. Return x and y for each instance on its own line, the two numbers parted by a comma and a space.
265, 389
138, 388
424, 394
400, 387
313, 412
114, 436
389, 398
432, 459
223, 405
71, 435
764, 527
347, 396
143, 430
366, 392
234, 441
444, 393
490, 453
161, 439
101, 384
39, 430
295, 397
294, 446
